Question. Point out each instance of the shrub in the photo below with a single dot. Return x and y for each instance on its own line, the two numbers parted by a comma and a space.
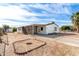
14, 29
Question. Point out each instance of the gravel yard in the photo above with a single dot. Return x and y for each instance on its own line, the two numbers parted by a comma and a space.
2, 49
52, 47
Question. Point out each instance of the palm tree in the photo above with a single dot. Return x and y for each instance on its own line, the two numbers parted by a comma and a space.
75, 21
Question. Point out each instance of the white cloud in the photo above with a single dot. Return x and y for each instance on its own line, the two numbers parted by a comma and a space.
16, 13
54, 8
13, 12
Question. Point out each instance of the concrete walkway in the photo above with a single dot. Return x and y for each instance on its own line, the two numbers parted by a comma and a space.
72, 41
69, 41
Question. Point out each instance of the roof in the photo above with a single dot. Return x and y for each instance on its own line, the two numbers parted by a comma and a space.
51, 23
41, 24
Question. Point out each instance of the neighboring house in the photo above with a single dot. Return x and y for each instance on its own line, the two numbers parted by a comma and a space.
9, 30
39, 29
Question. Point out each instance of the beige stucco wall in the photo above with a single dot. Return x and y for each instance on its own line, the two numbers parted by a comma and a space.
43, 31
46, 29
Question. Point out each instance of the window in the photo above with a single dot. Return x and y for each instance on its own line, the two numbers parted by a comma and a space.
55, 28
41, 28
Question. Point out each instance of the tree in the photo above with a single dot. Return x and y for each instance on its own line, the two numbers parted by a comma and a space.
5, 27
75, 20
66, 27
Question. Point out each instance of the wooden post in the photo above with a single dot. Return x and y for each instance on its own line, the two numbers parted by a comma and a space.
32, 30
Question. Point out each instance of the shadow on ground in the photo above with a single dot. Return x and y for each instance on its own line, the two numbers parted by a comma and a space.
55, 35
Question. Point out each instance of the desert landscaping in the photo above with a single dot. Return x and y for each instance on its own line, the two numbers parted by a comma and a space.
39, 45
48, 39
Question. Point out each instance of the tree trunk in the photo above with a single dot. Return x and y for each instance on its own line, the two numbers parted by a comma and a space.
78, 29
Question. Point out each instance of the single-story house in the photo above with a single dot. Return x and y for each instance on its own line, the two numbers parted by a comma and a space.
39, 29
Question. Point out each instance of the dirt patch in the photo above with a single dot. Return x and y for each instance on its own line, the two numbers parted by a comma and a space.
25, 46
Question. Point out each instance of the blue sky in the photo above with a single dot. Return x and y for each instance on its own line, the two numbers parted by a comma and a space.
19, 14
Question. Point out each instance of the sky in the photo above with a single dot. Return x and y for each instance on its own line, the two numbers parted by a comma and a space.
21, 14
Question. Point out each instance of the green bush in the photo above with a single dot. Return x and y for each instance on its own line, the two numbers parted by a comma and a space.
14, 29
